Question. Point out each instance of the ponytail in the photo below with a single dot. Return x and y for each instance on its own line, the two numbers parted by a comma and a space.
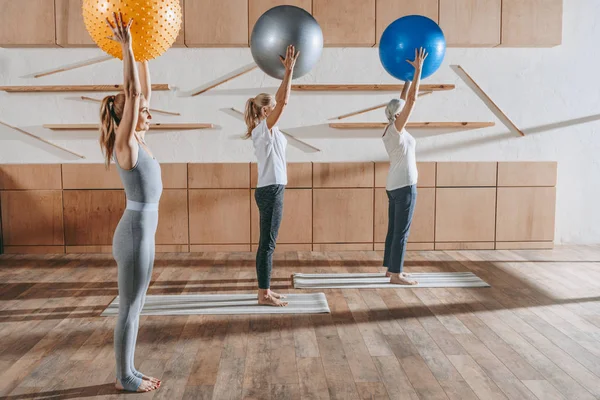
111, 111
252, 112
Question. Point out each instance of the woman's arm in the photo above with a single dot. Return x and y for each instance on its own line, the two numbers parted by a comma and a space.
405, 90
283, 93
402, 120
145, 81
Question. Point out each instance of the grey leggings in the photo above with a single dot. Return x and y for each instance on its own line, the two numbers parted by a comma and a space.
269, 200
401, 209
133, 249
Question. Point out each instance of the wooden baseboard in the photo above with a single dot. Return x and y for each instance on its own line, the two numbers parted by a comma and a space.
464, 246
34, 249
524, 245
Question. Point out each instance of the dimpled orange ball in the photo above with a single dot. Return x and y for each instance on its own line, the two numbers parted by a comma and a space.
156, 24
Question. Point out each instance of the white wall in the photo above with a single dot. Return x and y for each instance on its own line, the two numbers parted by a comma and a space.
544, 91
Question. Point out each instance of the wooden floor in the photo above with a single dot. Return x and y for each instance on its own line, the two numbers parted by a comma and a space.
534, 335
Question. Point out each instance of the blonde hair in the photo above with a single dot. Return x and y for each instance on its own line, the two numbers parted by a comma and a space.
392, 109
253, 111
111, 112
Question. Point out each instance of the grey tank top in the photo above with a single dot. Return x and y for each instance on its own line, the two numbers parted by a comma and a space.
143, 183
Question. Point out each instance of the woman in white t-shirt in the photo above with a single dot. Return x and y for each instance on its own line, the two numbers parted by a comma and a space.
261, 116
402, 177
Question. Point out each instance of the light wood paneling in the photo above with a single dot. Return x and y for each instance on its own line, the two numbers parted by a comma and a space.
32, 217
342, 215
256, 8
27, 23
532, 23
423, 224
219, 175
30, 176
296, 225
34, 249
342, 246
174, 175
526, 214
426, 174
409, 246
216, 23
283, 247
452, 174
527, 173
173, 217
464, 246
346, 23
90, 176
180, 41
91, 216
70, 28
172, 248
342, 175
390, 10
524, 245
209, 248
471, 23
100, 249
299, 175
219, 216
465, 214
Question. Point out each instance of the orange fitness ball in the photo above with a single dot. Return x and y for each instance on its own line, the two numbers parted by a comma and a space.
156, 24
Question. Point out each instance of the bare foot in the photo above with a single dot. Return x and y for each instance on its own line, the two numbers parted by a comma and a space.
268, 300
145, 386
402, 279
151, 379
388, 274
276, 295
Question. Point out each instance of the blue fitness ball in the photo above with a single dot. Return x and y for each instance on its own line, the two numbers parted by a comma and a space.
402, 37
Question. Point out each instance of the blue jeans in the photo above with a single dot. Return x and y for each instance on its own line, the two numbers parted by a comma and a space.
269, 200
400, 214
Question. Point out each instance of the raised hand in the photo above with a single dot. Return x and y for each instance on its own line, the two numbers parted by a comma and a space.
121, 30
420, 56
290, 58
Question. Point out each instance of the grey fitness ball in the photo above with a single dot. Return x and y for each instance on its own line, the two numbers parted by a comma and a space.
279, 27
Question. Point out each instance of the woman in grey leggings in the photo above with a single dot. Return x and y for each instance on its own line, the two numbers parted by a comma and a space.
125, 120
261, 116
402, 177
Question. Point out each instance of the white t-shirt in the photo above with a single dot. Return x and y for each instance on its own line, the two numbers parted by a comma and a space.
403, 162
270, 152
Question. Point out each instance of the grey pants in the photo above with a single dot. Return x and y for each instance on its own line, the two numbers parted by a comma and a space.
400, 213
269, 200
133, 249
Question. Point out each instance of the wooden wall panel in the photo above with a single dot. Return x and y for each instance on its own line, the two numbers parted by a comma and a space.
426, 174
423, 224
526, 214
34, 249
90, 176
93, 249
70, 28
219, 175
173, 217
296, 226
471, 23
465, 214
91, 216
283, 247
343, 175
219, 216
172, 248
180, 41
346, 23
390, 10
174, 175
32, 217
465, 174
342, 246
532, 23
524, 245
216, 23
212, 248
342, 215
527, 173
299, 175
27, 23
409, 246
256, 8
464, 246
30, 176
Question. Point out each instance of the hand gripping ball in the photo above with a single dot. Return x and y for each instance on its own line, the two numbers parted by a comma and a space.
156, 24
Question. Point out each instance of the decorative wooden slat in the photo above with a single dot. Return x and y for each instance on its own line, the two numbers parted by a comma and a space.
74, 88
226, 79
487, 100
95, 127
40, 139
74, 66
413, 125
373, 108
85, 98
368, 88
